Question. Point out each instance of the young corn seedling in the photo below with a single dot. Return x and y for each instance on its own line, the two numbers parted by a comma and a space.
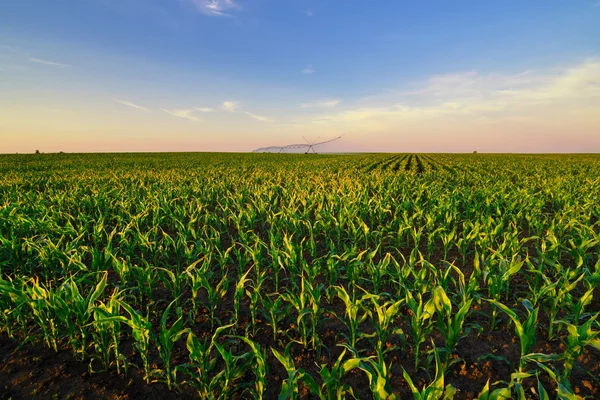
506, 392
289, 386
377, 372
275, 312
235, 368
421, 321
498, 278
238, 294
435, 390
332, 386
315, 292
107, 332
333, 271
167, 337
214, 292
202, 363
563, 386
377, 271
173, 281
141, 329
525, 331
48, 310
385, 314
255, 297
449, 324
307, 306
259, 367
12, 300
145, 278
355, 313
579, 336
81, 308
468, 290
558, 295
196, 278
578, 308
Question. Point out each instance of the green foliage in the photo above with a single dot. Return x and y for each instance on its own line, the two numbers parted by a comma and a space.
242, 253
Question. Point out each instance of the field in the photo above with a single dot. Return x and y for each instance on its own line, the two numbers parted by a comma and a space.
223, 276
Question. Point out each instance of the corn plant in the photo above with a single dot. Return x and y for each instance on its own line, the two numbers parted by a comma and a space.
307, 306
141, 329
435, 390
255, 296
563, 386
332, 386
238, 294
377, 372
355, 313
289, 386
421, 321
449, 324
274, 306
525, 331
235, 368
167, 337
385, 314
497, 277
202, 366
579, 336
259, 367
81, 308
107, 332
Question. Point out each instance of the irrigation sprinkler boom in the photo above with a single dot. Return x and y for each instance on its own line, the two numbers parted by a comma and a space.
308, 146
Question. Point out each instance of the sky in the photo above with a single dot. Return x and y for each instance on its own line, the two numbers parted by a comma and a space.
236, 75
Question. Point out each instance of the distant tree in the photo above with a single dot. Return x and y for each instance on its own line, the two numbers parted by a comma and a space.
475, 152
37, 152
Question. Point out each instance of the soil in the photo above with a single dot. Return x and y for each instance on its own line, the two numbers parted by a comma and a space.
35, 371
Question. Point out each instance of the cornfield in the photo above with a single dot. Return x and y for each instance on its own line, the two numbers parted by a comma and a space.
381, 276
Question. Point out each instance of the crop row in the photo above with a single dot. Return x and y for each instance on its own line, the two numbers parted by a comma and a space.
284, 275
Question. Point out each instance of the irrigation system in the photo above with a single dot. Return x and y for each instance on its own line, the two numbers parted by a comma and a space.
308, 146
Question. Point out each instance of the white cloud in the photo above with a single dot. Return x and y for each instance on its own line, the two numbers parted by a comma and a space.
321, 104
259, 117
230, 106
130, 104
55, 64
215, 8
309, 13
308, 70
206, 109
469, 96
184, 113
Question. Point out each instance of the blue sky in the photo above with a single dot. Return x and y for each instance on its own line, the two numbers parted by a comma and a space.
220, 75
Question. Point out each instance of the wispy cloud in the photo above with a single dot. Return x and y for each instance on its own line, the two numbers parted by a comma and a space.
321, 104
230, 106
215, 8
184, 113
308, 70
130, 104
309, 13
470, 96
259, 117
45, 62
206, 109
10, 49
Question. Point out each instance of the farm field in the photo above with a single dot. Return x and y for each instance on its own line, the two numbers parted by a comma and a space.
425, 276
